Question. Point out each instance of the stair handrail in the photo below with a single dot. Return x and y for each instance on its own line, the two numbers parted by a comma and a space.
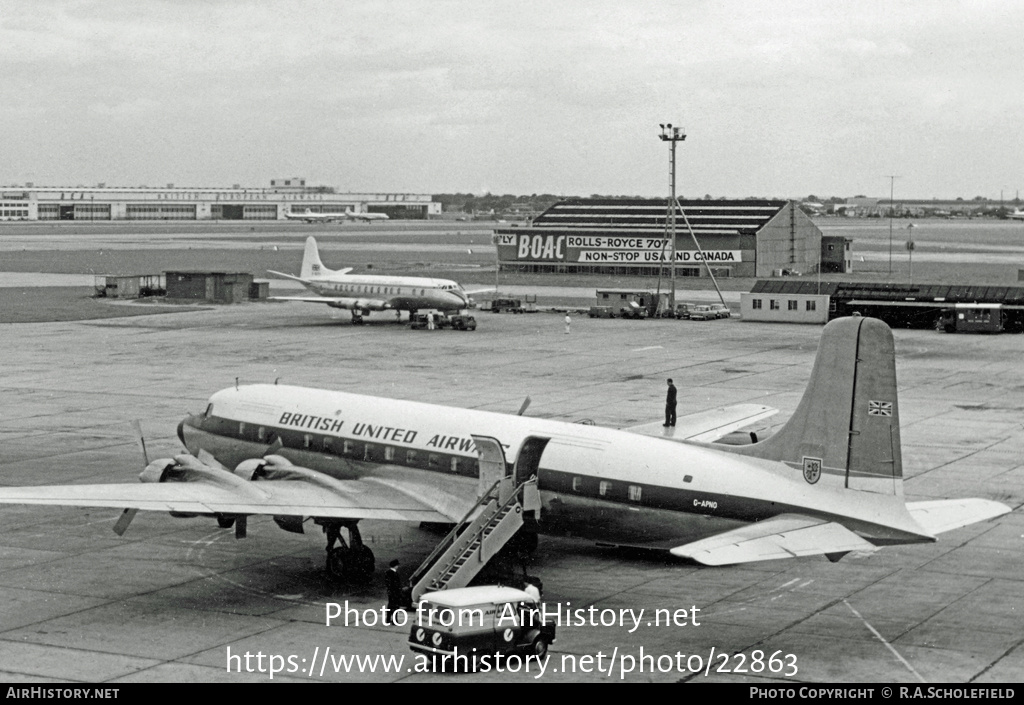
513, 497
445, 543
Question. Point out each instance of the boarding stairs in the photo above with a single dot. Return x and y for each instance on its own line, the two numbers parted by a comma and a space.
489, 524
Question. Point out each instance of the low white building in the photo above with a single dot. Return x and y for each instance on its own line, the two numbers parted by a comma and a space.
283, 196
785, 307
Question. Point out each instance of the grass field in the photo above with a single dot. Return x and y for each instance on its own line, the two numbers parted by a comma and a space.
954, 252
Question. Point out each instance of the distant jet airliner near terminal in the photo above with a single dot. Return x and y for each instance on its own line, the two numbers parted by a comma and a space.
363, 293
311, 217
829, 482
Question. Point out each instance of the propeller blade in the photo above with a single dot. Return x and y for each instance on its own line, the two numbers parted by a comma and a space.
522, 409
124, 520
274, 447
142, 441
240, 526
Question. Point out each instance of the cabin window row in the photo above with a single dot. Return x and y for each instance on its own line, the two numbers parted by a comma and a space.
371, 452
613, 490
388, 290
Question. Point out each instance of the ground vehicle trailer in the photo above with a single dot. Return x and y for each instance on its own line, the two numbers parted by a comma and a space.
458, 321
971, 318
509, 305
477, 622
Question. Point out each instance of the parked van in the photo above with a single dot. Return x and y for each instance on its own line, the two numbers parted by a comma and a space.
475, 621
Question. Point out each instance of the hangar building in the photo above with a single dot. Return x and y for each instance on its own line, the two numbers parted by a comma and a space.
283, 196
738, 238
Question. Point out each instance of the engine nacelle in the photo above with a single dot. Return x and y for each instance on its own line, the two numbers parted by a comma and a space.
257, 468
158, 470
251, 469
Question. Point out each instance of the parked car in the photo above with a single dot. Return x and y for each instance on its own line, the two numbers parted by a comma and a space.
721, 310
703, 312
601, 312
683, 310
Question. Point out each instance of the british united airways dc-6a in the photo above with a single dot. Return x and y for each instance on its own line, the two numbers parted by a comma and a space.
830, 481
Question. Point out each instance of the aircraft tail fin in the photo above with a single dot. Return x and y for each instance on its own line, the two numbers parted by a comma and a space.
312, 267
845, 431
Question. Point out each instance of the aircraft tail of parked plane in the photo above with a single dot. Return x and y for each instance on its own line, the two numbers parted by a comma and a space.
312, 267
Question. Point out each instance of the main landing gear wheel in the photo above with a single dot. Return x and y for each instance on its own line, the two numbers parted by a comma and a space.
351, 562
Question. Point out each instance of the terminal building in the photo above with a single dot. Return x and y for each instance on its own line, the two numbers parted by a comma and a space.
737, 238
276, 202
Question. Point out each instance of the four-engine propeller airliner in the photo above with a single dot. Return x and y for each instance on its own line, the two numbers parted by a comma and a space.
830, 481
310, 217
363, 293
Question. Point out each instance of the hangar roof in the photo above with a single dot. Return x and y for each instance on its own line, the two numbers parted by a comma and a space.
706, 217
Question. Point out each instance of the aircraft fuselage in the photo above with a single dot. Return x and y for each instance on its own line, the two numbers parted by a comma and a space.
399, 293
600, 483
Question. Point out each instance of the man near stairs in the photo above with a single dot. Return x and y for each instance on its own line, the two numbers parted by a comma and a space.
393, 583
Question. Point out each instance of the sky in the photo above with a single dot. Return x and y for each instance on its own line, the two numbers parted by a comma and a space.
776, 98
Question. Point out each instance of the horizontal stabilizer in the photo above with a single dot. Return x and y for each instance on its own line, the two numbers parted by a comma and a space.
784, 536
708, 426
286, 276
937, 516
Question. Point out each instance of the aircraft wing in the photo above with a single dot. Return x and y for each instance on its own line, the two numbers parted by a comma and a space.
708, 426
221, 492
338, 301
937, 516
783, 536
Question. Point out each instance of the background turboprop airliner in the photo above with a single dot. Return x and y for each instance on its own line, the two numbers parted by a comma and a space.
830, 481
311, 217
363, 293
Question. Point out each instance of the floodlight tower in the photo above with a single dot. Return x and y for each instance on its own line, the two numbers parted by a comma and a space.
892, 208
672, 135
